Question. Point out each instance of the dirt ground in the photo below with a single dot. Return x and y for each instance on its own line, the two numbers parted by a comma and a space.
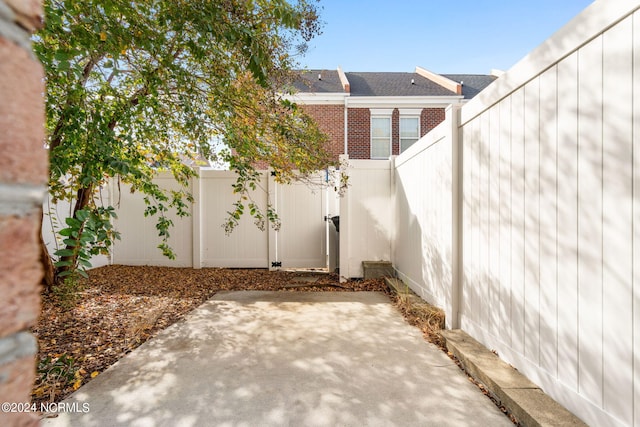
120, 307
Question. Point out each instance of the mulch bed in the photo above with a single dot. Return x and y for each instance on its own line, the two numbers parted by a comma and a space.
120, 307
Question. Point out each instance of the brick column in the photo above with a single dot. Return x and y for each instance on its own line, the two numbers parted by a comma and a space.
23, 174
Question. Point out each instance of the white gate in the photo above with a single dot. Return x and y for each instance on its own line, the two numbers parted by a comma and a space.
301, 241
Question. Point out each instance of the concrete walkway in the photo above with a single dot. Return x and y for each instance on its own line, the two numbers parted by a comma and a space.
284, 359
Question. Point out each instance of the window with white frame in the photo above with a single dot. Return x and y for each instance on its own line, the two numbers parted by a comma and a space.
380, 134
409, 131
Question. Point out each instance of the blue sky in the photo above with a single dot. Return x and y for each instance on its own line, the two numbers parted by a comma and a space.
445, 37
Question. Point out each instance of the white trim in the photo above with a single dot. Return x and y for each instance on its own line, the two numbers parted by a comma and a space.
381, 111
410, 111
403, 101
331, 98
343, 79
346, 127
443, 81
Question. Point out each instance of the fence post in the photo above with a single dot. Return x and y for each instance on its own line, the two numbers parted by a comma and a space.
272, 197
343, 237
196, 218
456, 210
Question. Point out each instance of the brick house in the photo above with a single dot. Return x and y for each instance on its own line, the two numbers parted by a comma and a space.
373, 115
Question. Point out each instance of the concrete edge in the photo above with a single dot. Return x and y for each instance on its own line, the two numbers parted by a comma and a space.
523, 399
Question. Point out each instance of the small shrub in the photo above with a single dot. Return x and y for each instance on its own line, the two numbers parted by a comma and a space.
67, 293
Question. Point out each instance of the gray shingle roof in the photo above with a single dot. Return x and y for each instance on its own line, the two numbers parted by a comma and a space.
309, 82
472, 83
394, 84
388, 83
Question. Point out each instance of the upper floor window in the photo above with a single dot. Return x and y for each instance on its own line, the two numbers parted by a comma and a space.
409, 131
380, 137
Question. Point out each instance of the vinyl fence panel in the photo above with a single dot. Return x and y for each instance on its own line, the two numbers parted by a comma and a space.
140, 240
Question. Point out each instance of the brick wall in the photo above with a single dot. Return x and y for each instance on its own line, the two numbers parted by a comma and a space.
360, 123
359, 133
430, 118
23, 173
330, 119
395, 132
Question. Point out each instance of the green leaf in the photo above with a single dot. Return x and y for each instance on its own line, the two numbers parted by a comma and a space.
64, 252
63, 264
70, 242
73, 223
84, 263
82, 215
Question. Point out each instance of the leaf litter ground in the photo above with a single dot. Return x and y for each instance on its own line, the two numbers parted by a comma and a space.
120, 307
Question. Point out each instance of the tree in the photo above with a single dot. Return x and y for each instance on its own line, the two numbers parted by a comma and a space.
137, 87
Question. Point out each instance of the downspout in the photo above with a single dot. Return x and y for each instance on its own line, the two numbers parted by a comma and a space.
346, 87
346, 125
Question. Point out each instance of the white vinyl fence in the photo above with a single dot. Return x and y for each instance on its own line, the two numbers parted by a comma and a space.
366, 216
550, 202
199, 240
425, 215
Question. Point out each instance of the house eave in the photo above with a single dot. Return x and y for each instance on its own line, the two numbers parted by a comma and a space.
333, 98
374, 101
403, 101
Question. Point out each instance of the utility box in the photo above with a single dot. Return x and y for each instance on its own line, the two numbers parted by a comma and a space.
376, 269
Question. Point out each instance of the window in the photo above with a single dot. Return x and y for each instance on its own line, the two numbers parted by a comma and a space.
409, 132
380, 137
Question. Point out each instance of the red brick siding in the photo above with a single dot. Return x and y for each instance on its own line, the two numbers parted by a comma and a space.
23, 158
330, 119
23, 165
359, 134
395, 132
430, 118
